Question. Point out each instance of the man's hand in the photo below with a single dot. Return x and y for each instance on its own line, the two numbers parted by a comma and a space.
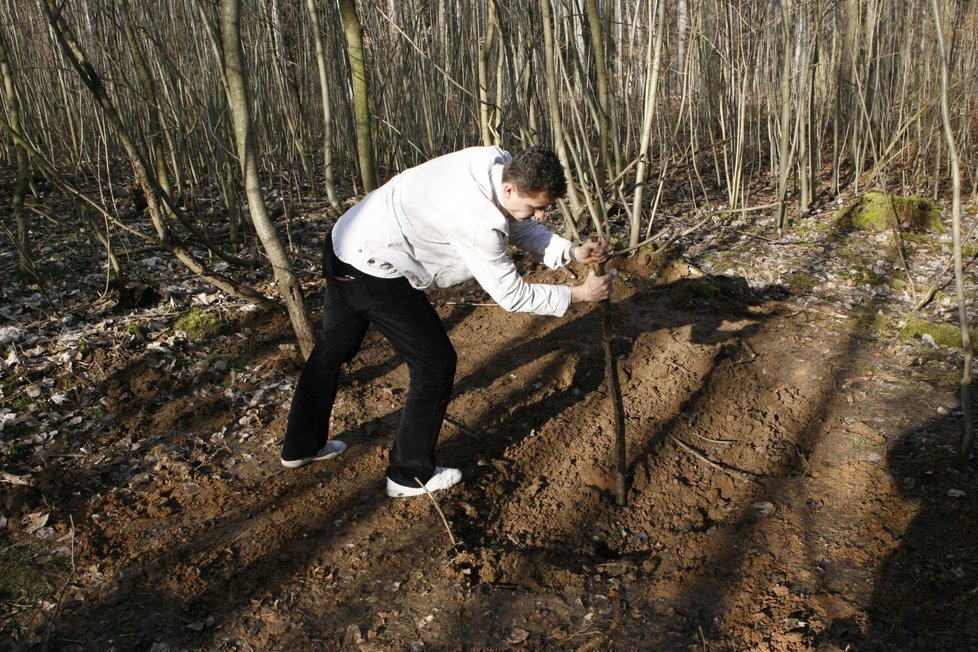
591, 252
594, 288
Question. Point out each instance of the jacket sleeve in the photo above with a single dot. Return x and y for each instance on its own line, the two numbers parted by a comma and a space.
484, 253
534, 238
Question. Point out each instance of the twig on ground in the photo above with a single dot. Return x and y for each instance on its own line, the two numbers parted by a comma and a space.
444, 520
750, 349
715, 441
589, 630
736, 473
461, 428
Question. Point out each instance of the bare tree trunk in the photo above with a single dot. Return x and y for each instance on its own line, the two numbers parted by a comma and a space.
968, 435
149, 90
657, 31
485, 50
287, 282
556, 121
603, 168
785, 139
353, 30
328, 172
22, 240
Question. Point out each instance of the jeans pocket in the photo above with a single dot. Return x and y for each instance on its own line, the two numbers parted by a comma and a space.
392, 293
355, 294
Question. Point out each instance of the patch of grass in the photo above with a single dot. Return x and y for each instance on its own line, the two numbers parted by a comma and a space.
18, 452
236, 361
200, 323
721, 261
136, 329
95, 415
20, 403
873, 322
21, 577
813, 227
703, 289
801, 281
866, 276
943, 334
897, 283
25, 582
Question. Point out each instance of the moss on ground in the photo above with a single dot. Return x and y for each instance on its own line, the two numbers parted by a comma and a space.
801, 281
875, 212
943, 334
872, 322
200, 323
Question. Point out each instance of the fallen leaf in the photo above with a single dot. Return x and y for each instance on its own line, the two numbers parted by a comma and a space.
34, 522
9, 478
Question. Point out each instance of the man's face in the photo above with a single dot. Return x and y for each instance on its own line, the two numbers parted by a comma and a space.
524, 207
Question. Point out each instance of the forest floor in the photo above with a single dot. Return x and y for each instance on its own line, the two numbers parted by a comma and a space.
791, 431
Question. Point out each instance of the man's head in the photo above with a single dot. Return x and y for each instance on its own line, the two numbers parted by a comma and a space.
531, 182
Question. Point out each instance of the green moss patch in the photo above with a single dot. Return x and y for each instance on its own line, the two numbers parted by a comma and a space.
943, 334
200, 323
875, 211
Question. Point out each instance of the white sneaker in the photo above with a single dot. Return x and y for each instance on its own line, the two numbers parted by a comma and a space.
332, 448
442, 479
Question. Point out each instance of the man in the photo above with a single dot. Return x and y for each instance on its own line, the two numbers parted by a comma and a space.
435, 225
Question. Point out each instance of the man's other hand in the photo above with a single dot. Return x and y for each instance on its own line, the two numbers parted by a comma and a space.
591, 252
594, 288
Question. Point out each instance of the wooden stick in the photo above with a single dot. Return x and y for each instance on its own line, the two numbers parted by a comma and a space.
611, 371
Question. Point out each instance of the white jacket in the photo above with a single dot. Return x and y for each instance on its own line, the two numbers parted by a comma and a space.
441, 223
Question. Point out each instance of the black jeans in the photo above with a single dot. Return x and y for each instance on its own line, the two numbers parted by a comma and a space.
404, 316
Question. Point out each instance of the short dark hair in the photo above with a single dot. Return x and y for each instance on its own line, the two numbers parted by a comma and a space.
536, 169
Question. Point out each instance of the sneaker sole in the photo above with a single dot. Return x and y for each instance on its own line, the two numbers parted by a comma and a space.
405, 493
294, 464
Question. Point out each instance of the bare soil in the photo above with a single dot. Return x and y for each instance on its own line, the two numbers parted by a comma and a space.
791, 486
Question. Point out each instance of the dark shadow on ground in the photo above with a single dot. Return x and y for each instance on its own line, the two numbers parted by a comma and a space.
925, 595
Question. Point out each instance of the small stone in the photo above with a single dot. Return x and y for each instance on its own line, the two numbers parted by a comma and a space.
353, 636
763, 509
874, 458
956, 493
518, 635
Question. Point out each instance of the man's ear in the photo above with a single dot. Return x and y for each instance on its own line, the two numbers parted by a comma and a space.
509, 189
